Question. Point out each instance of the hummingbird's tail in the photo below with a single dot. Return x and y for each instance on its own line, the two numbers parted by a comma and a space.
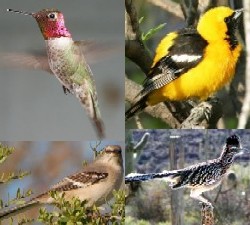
18, 209
98, 123
89, 101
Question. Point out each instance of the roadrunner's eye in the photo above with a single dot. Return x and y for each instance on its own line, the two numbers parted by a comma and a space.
52, 16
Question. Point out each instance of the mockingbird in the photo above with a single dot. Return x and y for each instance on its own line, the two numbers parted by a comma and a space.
95, 183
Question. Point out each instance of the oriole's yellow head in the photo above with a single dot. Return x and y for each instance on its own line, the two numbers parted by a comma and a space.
219, 23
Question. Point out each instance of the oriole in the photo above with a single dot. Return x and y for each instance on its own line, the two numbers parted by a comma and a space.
193, 63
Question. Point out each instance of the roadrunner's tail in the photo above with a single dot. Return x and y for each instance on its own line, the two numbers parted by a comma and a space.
167, 175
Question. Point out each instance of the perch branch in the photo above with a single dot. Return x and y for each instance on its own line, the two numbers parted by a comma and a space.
168, 6
204, 115
207, 215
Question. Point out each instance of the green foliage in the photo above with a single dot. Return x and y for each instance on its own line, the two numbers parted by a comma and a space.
19, 199
12, 176
25, 221
118, 207
5, 151
158, 207
151, 32
76, 212
132, 221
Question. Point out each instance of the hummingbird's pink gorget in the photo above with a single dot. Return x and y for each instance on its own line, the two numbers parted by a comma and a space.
51, 23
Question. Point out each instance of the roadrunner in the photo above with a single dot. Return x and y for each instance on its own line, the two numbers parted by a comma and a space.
201, 177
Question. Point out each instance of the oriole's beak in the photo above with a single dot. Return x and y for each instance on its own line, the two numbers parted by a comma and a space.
237, 14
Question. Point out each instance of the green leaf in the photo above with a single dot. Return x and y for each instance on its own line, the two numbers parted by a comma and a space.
152, 32
141, 19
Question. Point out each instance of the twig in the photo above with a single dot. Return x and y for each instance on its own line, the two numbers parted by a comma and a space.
189, 9
169, 6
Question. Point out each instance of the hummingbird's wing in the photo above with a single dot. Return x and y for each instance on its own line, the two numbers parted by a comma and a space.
38, 60
96, 51
25, 60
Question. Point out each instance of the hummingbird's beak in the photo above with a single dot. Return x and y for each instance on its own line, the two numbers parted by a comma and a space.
20, 12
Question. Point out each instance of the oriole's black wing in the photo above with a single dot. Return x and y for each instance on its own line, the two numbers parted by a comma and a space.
186, 52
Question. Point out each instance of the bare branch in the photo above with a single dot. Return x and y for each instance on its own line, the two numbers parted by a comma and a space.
134, 48
189, 9
169, 6
204, 115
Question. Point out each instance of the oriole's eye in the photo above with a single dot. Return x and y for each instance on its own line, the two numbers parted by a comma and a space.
52, 16
227, 19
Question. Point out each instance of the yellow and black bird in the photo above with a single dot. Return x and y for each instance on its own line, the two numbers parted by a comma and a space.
193, 63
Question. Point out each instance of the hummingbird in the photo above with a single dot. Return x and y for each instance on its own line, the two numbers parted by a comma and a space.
65, 59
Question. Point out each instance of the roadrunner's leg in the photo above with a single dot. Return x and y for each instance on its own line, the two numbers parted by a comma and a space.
196, 194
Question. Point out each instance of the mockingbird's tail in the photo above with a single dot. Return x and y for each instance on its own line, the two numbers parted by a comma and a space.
17, 209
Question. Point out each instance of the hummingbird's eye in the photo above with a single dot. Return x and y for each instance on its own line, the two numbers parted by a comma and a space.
52, 16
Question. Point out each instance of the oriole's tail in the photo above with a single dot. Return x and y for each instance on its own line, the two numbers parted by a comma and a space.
18, 209
137, 107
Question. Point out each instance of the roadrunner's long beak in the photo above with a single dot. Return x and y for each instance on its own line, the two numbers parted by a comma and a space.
243, 151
